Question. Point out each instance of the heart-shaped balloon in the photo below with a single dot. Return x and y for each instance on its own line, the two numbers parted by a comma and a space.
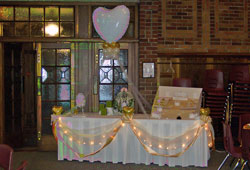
112, 24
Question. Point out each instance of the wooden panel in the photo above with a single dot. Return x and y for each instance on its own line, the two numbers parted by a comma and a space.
29, 95
205, 23
83, 21
231, 19
179, 18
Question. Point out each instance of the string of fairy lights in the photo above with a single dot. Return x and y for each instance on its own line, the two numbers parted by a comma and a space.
170, 146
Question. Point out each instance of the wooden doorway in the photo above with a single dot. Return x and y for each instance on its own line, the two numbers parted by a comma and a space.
19, 95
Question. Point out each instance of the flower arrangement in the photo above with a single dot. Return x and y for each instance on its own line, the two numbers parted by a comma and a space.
123, 98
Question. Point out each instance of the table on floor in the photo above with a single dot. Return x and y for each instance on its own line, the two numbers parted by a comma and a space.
126, 148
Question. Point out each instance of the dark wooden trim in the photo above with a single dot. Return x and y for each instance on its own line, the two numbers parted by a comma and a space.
2, 118
202, 55
29, 39
205, 63
35, 3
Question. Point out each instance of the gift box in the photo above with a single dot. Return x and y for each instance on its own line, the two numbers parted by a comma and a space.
176, 102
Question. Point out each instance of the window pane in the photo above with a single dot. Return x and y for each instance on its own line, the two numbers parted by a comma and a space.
67, 29
65, 105
63, 74
106, 75
48, 74
51, 14
105, 92
67, 14
36, 14
63, 92
120, 76
37, 29
48, 92
22, 28
118, 88
8, 29
6, 13
63, 57
103, 62
123, 58
51, 29
48, 57
21, 14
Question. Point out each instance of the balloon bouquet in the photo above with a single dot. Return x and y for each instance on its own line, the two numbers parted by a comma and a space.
111, 25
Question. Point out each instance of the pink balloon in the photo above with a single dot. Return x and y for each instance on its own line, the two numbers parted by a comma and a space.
112, 24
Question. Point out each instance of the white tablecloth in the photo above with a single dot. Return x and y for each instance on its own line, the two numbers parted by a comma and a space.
126, 148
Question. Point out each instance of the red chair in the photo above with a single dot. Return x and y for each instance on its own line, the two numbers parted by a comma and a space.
6, 157
23, 165
244, 119
239, 73
6, 153
182, 82
215, 97
213, 81
232, 150
246, 145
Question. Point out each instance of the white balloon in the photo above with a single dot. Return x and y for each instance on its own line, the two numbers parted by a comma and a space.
111, 25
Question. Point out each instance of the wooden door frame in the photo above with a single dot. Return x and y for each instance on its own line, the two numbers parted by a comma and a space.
47, 142
2, 113
133, 67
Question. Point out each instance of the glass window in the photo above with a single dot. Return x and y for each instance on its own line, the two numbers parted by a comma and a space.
6, 13
36, 14
66, 14
21, 14
51, 13
48, 74
42, 21
56, 80
111, 78
49, 57
37, 29
8, 29
22, 28
63, 57
63, 74
67, 29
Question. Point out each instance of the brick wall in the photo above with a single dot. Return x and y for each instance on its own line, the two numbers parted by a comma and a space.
149, 25
190, 26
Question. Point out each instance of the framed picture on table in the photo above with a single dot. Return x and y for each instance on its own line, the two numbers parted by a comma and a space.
148, 70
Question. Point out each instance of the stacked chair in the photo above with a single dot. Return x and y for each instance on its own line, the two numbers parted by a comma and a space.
182, 82
237, 114
245, 138
230, 148
239, 95
241, 152
214, 97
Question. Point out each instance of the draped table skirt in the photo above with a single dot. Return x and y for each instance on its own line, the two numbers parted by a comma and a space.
126, 148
